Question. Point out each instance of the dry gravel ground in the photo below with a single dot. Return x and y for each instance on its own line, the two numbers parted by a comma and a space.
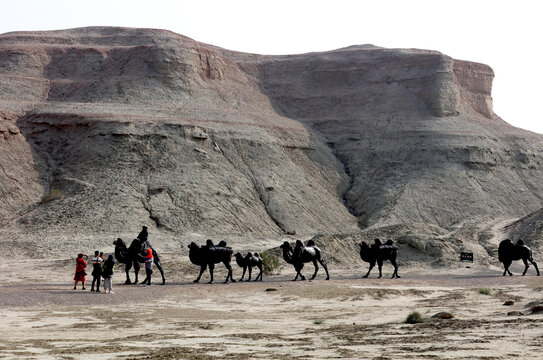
347, 317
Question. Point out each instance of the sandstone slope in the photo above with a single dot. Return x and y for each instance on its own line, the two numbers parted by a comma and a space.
104, 129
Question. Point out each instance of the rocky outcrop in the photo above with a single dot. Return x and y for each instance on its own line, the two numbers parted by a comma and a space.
414, 130
108, 128
20, 188
165, 130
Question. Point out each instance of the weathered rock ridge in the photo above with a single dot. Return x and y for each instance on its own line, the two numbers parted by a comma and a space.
103, 129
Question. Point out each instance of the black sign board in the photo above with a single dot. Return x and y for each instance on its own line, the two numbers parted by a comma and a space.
466, 256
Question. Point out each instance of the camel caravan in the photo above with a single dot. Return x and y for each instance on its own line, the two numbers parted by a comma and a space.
208, 255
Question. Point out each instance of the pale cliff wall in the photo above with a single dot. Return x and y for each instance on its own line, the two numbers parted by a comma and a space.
133, 126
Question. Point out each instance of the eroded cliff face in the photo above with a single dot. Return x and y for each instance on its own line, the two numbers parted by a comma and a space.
168, 132
19, 186
104, 129
415, 131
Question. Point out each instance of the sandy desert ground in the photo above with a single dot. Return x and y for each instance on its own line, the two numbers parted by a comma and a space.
347, 317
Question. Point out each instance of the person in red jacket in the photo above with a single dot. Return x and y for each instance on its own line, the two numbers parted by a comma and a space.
148, 266
80, 265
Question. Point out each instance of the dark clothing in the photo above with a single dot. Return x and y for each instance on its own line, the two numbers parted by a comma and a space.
148, 270
143, 235
96, 272
96, 269
107, 268
96, 280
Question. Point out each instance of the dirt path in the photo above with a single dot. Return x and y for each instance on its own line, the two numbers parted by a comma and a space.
346, 317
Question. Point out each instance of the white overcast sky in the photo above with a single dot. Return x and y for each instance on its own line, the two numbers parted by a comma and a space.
507, 35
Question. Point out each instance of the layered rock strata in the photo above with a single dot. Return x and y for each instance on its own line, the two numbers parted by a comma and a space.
103, 129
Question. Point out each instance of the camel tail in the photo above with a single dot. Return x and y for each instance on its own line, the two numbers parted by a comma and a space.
318, 252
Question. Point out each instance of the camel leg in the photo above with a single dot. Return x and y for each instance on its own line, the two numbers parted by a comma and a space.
323, 263
506, 265
211, 268
202, 269
535, 265
127, 268
380, 266
298, 273
161, 269
526, 266
243, 275
136, 271
372, 264
229, 276
395, 274
250, 272
158, 264
316, 269
260, 274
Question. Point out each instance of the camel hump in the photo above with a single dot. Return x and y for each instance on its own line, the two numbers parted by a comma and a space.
209, 243
378, 242
250, 254
222, 243
310, 242
504, 249
256, 254
505, 244
389, 242
520, 242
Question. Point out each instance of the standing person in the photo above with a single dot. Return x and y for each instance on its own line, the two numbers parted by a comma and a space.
107, 274
96, 270
148, 267
80, 265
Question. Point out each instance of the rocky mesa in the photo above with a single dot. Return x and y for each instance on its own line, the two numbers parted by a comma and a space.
104, 129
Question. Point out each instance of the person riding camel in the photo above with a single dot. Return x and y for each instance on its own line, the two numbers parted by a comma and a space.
143, 237
144, 234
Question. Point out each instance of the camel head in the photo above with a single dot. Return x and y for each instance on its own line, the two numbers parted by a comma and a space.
286, 246
239, 259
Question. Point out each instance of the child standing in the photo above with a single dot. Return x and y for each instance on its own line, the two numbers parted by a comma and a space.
107, 274
148, 267
80, 265
96, 270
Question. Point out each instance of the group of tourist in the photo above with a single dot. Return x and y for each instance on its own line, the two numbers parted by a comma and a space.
100, 269
104, 269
